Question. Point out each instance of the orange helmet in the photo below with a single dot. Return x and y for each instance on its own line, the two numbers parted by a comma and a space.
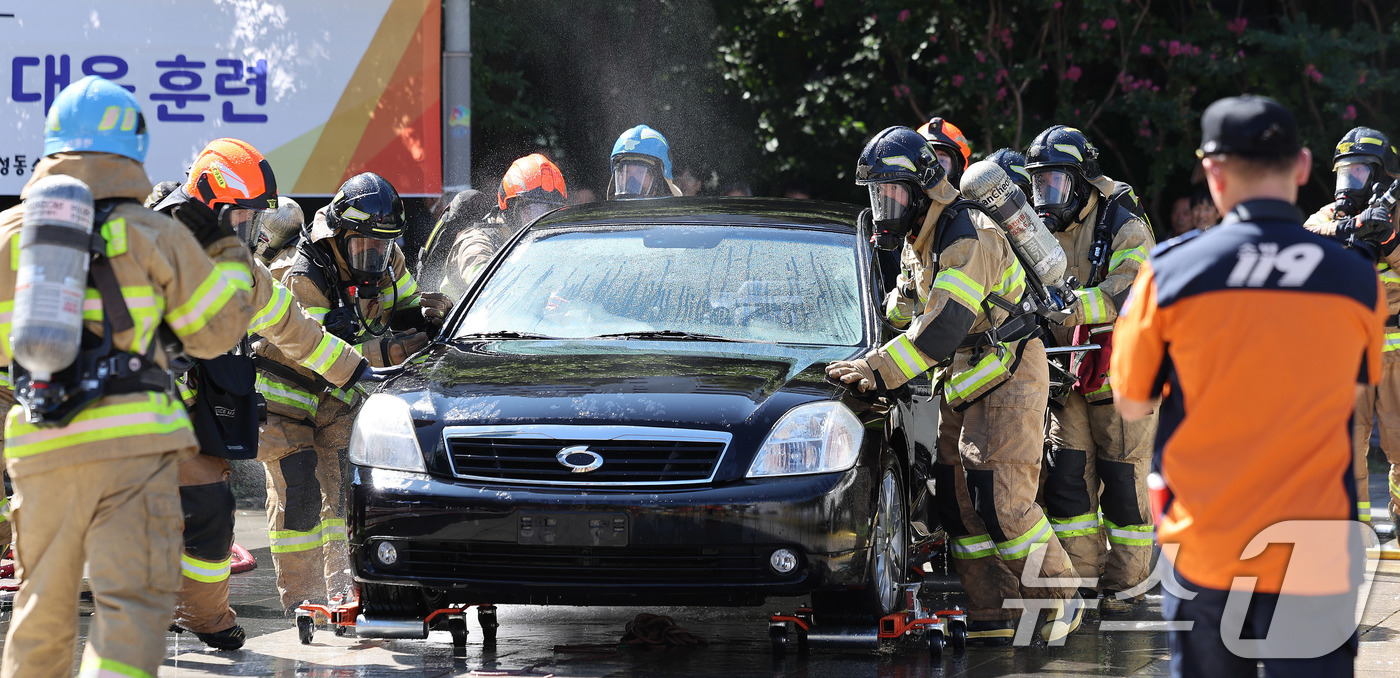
946, 136
232, 172
534, 178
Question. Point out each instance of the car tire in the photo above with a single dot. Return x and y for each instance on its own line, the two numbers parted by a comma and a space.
888, 568
394, 602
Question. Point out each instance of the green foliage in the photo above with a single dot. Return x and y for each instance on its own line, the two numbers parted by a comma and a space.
770, 91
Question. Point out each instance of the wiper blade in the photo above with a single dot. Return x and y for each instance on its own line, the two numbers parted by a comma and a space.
502, 334
666, 334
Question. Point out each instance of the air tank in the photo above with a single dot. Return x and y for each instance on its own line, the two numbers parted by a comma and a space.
52, 277
986, 183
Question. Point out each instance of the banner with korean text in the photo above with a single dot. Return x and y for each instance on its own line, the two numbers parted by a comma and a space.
326, 89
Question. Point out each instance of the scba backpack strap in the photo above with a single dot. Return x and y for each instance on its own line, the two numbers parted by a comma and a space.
227, 406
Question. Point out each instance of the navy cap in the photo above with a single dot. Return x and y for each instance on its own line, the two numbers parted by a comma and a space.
1248, 125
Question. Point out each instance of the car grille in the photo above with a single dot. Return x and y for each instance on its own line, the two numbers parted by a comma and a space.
588, 565
631, 455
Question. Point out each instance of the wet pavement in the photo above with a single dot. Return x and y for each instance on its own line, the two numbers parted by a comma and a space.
532, 640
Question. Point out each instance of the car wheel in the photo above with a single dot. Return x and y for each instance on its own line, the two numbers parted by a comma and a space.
889, 561
395, 602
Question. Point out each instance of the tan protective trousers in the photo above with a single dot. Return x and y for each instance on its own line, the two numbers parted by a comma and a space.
306, 502
1096, 491
989, 456
121, 517
1383, 404
207, 502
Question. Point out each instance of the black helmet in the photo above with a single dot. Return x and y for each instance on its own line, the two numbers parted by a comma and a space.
898, 166
1061, 163
367, 216
1014, 164
1361, 156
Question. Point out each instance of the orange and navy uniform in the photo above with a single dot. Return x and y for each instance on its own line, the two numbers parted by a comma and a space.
1255, 334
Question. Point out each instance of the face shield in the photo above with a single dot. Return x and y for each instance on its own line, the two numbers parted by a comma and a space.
1052, 187
1354, 180
368, 258
945, 160
525, 211
243, 222
634, 178
893, 208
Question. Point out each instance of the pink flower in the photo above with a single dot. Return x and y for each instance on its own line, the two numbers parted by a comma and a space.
1236, 26
1084, 26
1001, 75
1350, 114
1045, 67
1162, 43
1312, 72
818, 3
1059, 4
1076, 112
1145, 49
901, 91
981, 75
1109, 24
943, 58
1072, 73
981, 57
1361, 79
903, 15
1001, 94
957, 81
1174, 48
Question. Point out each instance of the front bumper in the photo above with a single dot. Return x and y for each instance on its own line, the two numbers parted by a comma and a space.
535, 545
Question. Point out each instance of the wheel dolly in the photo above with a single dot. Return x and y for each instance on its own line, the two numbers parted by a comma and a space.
938, 629
346, 615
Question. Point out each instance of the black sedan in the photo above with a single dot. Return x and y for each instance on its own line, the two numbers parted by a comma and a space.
630, 407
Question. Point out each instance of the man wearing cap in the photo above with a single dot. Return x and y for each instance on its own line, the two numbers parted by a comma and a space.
1254, 450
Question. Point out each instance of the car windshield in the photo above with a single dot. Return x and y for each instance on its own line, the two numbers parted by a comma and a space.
720, 282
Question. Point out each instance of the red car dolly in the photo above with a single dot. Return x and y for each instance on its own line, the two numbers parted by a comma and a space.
937, 628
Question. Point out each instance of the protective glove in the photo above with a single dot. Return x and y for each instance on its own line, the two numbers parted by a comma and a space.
400, 346
1375, 224
206, 226
856, 372
435, 307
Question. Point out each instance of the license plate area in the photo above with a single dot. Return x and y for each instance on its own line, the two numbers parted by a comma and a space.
572, 529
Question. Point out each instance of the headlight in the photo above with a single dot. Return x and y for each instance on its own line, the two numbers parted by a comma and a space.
383, 436
814, 438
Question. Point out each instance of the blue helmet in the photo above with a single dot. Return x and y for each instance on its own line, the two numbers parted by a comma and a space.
96, 114
643, 140
899, 167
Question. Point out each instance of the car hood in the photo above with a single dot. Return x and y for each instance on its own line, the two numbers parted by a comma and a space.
676, 383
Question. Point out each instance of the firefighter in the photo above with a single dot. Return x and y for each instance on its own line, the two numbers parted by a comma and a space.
1096, 484
350, 276
955, 260
467, 209
232, 179
96, 480
531, 187
1222, 330
950, 146
1014, 164
1366, 162
641, 166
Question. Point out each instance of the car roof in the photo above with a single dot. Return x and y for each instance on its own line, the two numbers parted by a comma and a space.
709, 210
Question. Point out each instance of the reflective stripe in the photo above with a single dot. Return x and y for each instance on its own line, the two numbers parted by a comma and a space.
317, 312
1015, 549
96, 667
1138, 254
1363, 511
1095, 306
5, 382
907, 358
145, 308
1105, 388
1388, 275
210, 297
978, 546
1129, 535
1392, 341
961, 286
991, 366
275, 309
1077, 526
1011, 279
205, 571
896, 316
325, 354
158, 414
289, 541
406, 288
285, 394
4, 513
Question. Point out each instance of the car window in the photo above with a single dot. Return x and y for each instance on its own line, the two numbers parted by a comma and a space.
744, 283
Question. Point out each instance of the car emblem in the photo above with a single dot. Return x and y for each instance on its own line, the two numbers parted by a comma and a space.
579, 459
